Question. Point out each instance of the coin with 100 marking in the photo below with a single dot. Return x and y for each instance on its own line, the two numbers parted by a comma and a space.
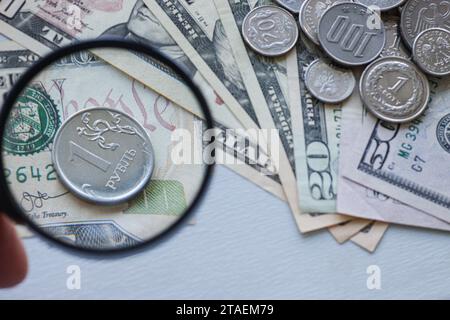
351, 34
310, 14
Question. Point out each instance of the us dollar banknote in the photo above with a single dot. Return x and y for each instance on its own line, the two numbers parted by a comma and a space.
30, 172
268, 78
42, 26
346, 230
269, 75
370, 237
16, 59
359, 201
257, 170
204, 23
14, 56
39, 28
299, 104
133, 21
196, 28
317, 130
405, 162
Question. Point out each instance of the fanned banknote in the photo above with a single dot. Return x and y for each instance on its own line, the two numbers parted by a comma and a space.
41, 27
204, 24
359, 201
32, 176
30, 26
196, 28
15, 59
370, 237
268, 79
317, 133
242, 88
298, 108
346, 230
131, 21
308, 117
407, 162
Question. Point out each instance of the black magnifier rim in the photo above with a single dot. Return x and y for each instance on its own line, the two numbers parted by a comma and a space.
11, 207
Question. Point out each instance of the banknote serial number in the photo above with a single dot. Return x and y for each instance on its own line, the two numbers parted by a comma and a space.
406, 149
226, 310
25, 174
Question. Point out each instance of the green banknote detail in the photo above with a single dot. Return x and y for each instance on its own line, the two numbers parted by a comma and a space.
32, 124
163, 197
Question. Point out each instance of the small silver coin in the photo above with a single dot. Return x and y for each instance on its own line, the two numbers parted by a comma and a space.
103, 156
420, 15
328, 82
270, 30
394, 46
348, 36
291, 5
432, 51
382, 5
310, 14
394, 89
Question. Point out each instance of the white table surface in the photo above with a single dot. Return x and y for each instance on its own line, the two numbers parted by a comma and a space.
245, 245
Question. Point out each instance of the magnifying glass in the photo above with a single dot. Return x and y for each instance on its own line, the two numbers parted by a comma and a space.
96, 161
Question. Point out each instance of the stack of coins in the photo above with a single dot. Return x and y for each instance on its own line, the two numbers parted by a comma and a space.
399, 43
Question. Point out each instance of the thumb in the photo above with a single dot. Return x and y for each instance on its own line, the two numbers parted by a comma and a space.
13, 260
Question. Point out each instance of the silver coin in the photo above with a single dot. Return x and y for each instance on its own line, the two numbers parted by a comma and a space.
382, 5
394, 89
270, 30
310, 14
432, 51
347, 35
420, 15
328, 82
394, 46
291, 5
103, 156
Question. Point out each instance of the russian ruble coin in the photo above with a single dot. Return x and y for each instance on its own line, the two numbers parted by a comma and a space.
352, 34
394, 89
270, 30
420, 15
394, 46
103, 156
431, 51
328, 82
310, 14
291, 5
382, 5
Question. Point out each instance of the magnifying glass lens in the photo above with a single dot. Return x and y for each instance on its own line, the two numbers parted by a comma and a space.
98, 160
